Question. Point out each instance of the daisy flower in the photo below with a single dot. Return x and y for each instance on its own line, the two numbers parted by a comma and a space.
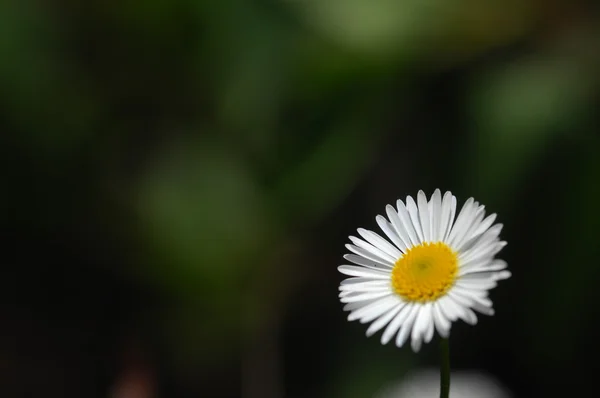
433, 269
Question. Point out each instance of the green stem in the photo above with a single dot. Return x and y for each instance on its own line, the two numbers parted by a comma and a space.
445, 369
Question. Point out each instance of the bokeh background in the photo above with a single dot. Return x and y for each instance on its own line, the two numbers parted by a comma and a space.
179, 179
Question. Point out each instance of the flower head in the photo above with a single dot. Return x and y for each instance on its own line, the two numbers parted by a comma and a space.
433, 269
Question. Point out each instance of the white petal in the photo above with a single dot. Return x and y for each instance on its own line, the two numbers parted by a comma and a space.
365, 309
384, 319
469, 292
352, 270
358, 279
482, 264
483, 252
381, 310
483, 309
472, 297
373, 250
370, 256
359, 283
391, 233
403, 223
407, 326
436, 216
430, 330
424, 216
430, 210
450, 226
365, 287
422, 321
482, 284
373, 310
462, 301
364, 296
395, 324
463, 312
447, 307
442, 323
416, 343
468, 235
493, 275
445, 216
498, 276
413, 211
398, 225
471, 317
358, 304
485, 239
485, 275
472, 217
485, 224
463, 217
380, 243
349, 293
365, 262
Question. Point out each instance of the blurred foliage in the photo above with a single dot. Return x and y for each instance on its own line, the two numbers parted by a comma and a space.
211, 157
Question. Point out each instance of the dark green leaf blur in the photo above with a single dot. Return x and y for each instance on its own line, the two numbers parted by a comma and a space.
179, 179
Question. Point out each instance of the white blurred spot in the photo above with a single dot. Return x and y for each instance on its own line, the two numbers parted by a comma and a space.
463, 384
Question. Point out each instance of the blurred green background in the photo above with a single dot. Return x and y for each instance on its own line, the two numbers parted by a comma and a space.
180, 177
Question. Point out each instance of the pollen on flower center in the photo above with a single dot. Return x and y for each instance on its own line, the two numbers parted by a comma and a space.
425, 272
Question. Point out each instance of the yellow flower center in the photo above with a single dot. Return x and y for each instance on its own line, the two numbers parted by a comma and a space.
425, 272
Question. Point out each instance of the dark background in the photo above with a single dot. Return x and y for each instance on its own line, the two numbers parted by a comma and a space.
179, 179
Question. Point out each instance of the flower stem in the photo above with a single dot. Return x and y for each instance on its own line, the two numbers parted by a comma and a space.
445, 368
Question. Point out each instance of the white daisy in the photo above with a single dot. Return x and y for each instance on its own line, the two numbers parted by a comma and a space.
437, 269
